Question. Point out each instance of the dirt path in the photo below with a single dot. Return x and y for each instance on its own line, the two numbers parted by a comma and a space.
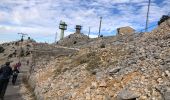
13, 92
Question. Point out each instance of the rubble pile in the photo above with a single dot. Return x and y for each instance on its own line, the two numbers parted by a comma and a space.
73, 39
135, 67
12, 51
162, 31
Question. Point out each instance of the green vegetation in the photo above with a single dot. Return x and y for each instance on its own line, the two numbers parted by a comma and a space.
22, 53
102, 46
2, 49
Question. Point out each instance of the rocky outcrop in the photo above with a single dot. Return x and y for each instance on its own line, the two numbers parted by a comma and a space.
132, 67
73, 39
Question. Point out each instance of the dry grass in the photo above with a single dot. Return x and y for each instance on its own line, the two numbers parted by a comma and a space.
2, 49
28, 88
92, 60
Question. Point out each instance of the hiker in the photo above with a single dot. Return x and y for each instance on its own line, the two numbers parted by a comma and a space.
5, 73
27, 62
15, 75
17, 65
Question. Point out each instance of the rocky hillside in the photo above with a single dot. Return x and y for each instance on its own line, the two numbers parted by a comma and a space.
122, 67
15, 50
73, 39
133, 67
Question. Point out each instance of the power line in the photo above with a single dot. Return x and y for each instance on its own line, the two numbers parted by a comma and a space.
147, 16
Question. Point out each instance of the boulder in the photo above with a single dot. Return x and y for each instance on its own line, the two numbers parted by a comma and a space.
114, 71
127, 95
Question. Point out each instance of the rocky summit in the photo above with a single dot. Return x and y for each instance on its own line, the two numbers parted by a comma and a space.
123, 67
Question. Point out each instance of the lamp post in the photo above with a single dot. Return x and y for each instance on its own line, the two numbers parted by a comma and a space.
62, 26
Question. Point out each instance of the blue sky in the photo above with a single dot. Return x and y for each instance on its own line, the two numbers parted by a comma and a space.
40, 18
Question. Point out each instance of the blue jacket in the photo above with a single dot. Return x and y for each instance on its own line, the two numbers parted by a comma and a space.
5, 72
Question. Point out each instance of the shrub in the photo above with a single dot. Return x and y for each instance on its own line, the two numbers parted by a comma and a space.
16, 43
10, 55
27, 53
85, 58
92, 65
163, 18
22, 53
94, 62
2, 49
75, 42
102, 46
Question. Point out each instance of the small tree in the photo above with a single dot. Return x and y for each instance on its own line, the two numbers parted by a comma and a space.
163, 18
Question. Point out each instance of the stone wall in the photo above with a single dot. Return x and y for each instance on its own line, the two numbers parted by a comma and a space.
125, 30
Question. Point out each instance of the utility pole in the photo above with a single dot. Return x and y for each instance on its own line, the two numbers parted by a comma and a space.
147, 16
100, 26
89, 33
22, 36
55, 37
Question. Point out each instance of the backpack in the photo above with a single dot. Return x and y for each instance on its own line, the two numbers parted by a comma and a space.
15, 73
6, 72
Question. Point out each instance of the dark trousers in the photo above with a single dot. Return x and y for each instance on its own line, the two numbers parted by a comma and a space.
3, 87
14, 78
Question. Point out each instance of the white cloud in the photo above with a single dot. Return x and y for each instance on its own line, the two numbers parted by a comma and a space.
93, 36
43, 16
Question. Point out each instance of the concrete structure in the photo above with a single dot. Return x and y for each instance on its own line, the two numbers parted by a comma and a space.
78, 29
125, 31
62, 26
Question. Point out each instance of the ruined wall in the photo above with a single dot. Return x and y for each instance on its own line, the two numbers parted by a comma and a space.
125, 30
73, 39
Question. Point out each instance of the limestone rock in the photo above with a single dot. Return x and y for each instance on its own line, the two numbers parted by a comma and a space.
103, 83
127, 95
114, 70
125, 30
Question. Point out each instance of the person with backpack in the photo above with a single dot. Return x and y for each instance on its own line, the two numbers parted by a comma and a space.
5, 74
15, 75
17, 65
